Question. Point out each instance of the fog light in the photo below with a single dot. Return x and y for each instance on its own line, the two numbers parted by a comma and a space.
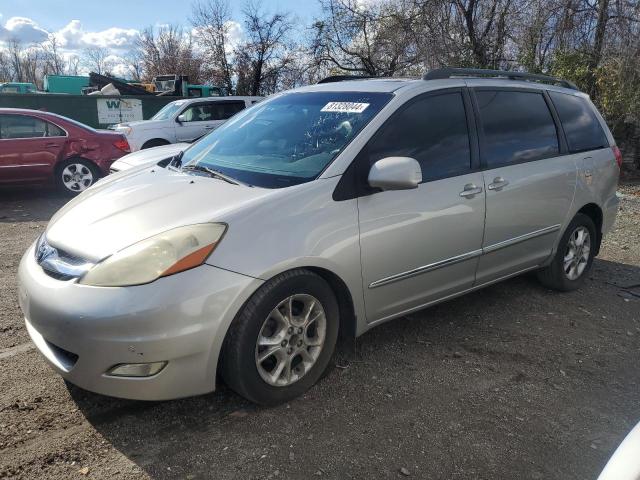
136, 369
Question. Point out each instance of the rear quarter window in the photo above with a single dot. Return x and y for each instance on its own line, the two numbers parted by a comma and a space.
579, 121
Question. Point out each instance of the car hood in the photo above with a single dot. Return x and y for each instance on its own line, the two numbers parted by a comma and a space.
149, 156
123, 209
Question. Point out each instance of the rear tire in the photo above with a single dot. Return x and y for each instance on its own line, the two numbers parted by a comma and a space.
75, 175
574, 257
156, 142
282, 340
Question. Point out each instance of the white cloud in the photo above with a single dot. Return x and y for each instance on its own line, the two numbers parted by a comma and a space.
73, 36
23, 30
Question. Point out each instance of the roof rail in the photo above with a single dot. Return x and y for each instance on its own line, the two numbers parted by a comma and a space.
342, 78
448, 72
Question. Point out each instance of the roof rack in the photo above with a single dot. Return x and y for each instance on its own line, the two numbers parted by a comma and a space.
441, 73
342, 78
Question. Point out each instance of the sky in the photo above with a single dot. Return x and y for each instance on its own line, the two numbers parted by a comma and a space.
114, 24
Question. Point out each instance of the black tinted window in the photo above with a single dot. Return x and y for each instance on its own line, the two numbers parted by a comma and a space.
579, 122
226, 110
433, 130
517, 126
21, 126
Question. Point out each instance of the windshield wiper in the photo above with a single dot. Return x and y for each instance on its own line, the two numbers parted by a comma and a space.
214, 174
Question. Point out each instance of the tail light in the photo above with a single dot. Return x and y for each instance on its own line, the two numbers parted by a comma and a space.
122, 144
618, 154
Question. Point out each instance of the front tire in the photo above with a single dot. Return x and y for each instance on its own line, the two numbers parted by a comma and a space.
75, 175
574, 257
283, 339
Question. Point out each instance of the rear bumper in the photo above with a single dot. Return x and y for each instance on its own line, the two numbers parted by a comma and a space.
83, 331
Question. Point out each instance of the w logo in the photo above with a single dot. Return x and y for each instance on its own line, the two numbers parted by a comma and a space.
113, 104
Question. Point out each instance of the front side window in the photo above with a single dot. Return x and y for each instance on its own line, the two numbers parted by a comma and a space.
287, 140
204, 112
197, 113
169, 110
518, 127
433, 131
21, 126
581, 127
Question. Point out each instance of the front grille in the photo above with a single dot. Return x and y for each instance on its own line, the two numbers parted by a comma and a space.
57, 275
59, 264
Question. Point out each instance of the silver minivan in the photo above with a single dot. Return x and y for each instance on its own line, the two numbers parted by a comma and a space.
321, 211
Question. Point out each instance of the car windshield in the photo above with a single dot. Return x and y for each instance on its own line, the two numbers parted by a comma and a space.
168, 110
286, 140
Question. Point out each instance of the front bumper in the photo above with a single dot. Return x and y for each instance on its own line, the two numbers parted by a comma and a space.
83, 331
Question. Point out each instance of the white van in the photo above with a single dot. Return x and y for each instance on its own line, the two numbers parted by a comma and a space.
183, 121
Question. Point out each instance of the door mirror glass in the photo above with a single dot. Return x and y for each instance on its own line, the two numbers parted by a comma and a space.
182, 118
395, 173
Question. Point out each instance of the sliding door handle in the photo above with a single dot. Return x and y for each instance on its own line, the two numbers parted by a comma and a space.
498, 184
470, 191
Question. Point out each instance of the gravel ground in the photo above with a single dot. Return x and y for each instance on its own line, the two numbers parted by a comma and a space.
511, 382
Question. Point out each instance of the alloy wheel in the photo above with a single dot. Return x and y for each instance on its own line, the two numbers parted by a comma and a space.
77, 177
577, 252
290, 340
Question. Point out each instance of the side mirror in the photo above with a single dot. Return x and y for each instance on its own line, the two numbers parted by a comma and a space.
181, 118
395, 173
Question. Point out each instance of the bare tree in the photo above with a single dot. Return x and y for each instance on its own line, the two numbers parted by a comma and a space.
266, 51
53, 62
168, 50
372, 39
211, 20
5, 67
134, 62
73, 65
96, 59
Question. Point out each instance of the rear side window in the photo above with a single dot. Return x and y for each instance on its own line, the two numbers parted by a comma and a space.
518, 127
432, 130
225, 110
580, 124
54, 131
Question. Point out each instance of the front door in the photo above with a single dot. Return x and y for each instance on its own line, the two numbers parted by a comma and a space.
530, 185
422, 245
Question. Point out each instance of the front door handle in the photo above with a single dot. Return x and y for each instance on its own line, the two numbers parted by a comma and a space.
498, 184
209, 127
51, 145
470, 191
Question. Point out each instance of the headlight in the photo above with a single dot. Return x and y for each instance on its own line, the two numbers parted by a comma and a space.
164, 254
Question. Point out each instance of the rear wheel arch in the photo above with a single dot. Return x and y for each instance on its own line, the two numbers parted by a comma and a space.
155, 142
594, 212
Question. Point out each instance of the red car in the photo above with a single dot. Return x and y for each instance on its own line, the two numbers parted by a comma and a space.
41, 147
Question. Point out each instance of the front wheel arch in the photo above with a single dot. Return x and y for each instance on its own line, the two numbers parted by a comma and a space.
234, 354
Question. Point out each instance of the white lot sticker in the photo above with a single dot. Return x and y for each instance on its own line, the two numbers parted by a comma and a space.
345, 107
